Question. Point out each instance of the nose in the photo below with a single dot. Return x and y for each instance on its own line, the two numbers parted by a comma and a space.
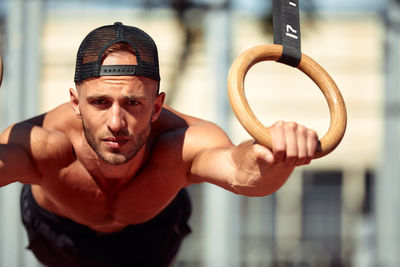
116, 119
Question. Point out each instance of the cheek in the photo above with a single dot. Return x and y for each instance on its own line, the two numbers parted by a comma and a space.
134, 124
146, 119
137, 125
139, 118
93, 123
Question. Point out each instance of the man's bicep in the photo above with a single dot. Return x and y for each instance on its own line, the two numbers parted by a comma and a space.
213, 166
212, 162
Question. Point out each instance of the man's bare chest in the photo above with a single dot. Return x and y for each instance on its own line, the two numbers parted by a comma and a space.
73, 193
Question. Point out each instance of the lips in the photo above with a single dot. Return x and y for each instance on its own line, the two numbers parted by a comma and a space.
115, 142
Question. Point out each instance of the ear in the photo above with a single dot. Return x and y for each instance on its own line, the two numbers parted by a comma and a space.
157, 107
74, 97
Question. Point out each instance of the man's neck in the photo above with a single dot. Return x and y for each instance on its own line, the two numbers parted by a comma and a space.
111, 178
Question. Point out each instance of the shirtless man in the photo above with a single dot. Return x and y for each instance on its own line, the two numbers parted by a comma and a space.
105, 174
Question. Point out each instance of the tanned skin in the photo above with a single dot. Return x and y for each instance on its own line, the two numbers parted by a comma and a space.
115, 155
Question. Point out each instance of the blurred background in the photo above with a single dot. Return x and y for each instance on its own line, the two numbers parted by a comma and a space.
342, 210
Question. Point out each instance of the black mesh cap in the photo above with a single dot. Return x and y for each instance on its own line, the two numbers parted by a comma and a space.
91, 50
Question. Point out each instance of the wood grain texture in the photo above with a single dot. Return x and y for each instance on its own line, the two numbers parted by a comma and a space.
243, 112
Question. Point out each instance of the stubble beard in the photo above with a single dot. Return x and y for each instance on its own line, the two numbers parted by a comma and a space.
115, 157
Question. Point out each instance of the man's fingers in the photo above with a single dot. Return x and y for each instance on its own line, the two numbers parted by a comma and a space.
302, 146
312, 142
291, 143
278, 140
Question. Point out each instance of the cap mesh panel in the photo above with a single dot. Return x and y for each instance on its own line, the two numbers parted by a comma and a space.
95, 43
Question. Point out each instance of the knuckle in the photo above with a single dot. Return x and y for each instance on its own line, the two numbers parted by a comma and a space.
291, 125
301, 130
312, 134
278, 124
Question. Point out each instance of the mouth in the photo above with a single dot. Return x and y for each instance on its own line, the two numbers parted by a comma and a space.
115, 142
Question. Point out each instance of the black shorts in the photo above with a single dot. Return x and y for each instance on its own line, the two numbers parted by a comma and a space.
57, 241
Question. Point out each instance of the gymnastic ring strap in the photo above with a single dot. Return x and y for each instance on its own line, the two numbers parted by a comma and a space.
286, 25
242, 110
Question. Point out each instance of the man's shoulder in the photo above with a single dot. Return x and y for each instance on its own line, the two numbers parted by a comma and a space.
61, 118
172, 121
206, 134
174, 124
189, 135
40, 143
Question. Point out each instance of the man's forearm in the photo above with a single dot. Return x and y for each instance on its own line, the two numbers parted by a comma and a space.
257, 173
15, 165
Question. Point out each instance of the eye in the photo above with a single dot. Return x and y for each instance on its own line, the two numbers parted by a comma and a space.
132, 102
98, 102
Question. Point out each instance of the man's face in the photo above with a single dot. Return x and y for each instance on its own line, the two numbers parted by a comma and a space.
117, 111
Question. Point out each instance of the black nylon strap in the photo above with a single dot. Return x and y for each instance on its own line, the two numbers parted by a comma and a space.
286, 23
114, 70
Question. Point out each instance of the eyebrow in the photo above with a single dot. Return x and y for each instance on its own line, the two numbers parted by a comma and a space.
135, 97
128, 97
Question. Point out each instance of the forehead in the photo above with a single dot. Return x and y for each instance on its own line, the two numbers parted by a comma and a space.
117, 85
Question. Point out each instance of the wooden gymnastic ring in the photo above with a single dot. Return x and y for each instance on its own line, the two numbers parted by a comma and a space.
308, 66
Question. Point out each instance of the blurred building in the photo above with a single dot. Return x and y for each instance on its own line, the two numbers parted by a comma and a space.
324, 215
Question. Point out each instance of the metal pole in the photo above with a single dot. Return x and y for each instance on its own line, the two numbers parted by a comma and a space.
387, 202
221, 219
21, 94
31, 63
12, 93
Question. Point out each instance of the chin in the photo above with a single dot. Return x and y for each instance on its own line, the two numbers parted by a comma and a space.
117, 157
115, 160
